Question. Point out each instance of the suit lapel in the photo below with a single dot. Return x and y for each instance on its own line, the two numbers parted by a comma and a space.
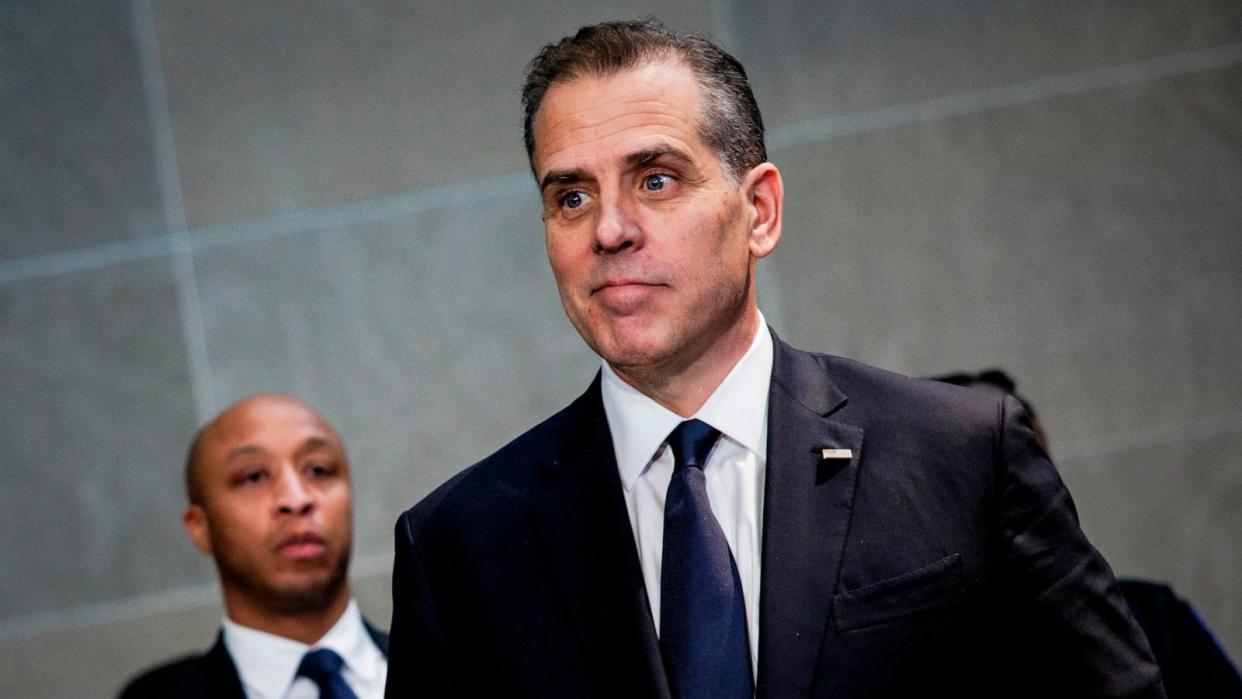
220, 672
580, 515
379, 638
806, 513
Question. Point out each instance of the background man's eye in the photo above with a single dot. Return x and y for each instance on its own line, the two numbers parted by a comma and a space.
573, 200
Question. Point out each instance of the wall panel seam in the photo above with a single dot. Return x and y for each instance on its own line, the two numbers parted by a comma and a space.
172, 202
184, 241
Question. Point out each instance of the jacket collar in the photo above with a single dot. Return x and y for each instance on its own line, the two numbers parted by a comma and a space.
807, 503
580, 515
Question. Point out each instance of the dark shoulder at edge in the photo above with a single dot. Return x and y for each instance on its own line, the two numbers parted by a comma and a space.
169, 679
506, 473
878, 388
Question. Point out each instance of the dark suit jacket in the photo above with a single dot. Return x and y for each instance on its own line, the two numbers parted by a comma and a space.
212, 675
943, 559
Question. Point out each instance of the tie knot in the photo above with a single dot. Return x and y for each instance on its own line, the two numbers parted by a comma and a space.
321, 665
691, 441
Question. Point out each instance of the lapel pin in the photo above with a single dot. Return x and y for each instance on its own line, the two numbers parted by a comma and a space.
838, 454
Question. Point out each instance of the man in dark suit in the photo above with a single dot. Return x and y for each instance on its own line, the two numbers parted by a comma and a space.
720, 514
268, 485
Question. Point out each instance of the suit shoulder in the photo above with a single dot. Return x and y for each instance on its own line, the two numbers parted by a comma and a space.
503, 478
880, 392
182, 677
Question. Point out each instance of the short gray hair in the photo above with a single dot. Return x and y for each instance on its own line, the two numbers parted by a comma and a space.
730, 123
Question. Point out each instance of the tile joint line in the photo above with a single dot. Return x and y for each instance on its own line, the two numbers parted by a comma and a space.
499, 186
181, 240
172, 201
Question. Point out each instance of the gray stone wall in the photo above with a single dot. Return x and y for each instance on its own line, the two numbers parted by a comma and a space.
199, 201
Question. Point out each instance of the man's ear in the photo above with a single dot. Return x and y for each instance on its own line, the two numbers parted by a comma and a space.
765, 195
194, 519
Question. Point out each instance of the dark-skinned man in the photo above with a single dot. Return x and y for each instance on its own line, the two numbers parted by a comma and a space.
268, 482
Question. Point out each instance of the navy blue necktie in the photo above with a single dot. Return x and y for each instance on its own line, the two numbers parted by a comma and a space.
702, 612
323, 667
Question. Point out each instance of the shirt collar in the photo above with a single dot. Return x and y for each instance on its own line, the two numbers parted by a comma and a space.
738, 408
268, 663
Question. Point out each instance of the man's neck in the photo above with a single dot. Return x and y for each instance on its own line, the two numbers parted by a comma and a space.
306, 626
684, 388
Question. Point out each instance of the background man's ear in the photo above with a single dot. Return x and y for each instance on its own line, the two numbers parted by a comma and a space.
194, 519
765, 195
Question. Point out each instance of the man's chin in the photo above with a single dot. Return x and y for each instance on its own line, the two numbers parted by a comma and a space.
635, 351
303, 594
291, 590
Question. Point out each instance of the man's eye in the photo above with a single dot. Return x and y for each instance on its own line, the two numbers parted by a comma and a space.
319, 470
573, 199
253, 477
654, 183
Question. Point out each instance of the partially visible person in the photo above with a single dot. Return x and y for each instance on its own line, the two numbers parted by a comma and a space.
1192, 662
269, 500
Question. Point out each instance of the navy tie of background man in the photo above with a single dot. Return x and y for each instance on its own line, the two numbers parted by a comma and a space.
268, 482
891, 537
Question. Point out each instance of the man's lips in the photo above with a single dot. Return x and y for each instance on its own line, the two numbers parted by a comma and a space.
622, 283
625, 295
302, 545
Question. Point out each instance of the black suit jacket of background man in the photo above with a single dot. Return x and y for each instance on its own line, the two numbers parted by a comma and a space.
943, 559
212, 675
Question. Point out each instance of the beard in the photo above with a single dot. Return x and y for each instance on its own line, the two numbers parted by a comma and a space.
305, 595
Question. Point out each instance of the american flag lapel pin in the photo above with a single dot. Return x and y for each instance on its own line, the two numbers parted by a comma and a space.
845, 454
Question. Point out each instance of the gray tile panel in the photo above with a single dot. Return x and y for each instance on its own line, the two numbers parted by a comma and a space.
75, 152
94, 418
286, 105
97, 660
811, 60
1088, 244
429, 341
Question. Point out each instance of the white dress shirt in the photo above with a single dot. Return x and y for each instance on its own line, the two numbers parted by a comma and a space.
267, 663
735, 468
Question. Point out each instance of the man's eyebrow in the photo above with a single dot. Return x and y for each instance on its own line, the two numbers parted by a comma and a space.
636, 159
651, 155
246, 450
561, 177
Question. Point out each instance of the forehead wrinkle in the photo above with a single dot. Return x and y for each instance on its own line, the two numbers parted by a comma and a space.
610, 143
640, 98
572, 126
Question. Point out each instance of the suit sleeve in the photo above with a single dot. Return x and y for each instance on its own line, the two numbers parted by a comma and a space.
419, 662
1070, 590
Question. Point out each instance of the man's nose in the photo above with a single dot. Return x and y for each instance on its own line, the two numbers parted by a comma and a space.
617, 229
293, 496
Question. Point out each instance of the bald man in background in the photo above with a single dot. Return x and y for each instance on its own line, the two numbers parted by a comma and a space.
270, 501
